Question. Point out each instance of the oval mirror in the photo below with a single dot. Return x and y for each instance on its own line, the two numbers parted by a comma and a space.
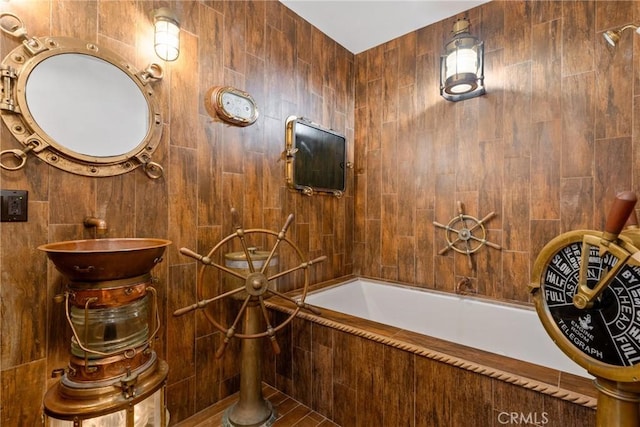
80, 108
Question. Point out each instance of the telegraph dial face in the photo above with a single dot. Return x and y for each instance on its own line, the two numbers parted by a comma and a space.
604, 339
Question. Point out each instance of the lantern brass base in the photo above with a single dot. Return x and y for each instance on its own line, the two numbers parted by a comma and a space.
64, 402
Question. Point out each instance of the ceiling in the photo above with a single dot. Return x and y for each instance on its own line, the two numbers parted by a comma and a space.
359, 25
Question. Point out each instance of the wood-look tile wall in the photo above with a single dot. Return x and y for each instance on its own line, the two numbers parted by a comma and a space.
546, 149
289, 67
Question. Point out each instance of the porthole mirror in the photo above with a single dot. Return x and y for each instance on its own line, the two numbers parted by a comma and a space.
77, 106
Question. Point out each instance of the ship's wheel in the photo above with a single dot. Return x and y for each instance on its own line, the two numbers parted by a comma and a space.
257, 284
466, 234
250, 286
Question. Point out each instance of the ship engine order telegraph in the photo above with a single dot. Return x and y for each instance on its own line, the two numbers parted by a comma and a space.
586, 289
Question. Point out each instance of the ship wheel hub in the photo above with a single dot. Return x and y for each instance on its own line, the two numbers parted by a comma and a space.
464, 234
462, 239
256, 284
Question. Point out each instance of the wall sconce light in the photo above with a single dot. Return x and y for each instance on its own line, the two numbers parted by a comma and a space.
167, 34
613, 36
462, 65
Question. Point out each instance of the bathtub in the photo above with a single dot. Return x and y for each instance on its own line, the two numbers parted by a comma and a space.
506, 329
374, 341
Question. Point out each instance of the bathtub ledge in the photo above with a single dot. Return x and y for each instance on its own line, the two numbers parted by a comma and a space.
406, 341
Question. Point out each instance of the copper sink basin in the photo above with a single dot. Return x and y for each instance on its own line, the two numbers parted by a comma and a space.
105, 259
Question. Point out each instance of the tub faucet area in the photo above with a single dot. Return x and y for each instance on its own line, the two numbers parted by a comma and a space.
99, 224
464, 287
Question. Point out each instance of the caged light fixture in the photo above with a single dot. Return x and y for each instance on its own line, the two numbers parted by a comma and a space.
167, 34
613, 36
462, 65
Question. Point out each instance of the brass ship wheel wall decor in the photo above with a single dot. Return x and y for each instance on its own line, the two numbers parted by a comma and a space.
466, 234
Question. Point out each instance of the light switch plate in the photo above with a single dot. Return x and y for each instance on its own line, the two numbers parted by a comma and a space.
13, 205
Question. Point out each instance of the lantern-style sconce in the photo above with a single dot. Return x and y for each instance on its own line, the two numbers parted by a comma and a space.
167, 34
462, 65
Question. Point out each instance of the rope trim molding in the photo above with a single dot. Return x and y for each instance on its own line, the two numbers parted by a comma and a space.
541, 387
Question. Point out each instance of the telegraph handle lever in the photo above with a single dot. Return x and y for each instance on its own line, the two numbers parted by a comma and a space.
619, 214
632, 224
623, 206
632, 221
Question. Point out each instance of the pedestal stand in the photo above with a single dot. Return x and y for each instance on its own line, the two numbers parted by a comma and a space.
251, 409
618, 404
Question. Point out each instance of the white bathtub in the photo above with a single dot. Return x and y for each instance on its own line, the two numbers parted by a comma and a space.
505, 329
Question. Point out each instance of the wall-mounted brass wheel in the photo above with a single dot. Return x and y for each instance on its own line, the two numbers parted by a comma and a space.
466, 234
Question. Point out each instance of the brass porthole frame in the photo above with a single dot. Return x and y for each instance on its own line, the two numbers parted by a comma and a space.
15, 114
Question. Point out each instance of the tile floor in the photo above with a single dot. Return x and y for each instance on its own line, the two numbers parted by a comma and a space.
290, 412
